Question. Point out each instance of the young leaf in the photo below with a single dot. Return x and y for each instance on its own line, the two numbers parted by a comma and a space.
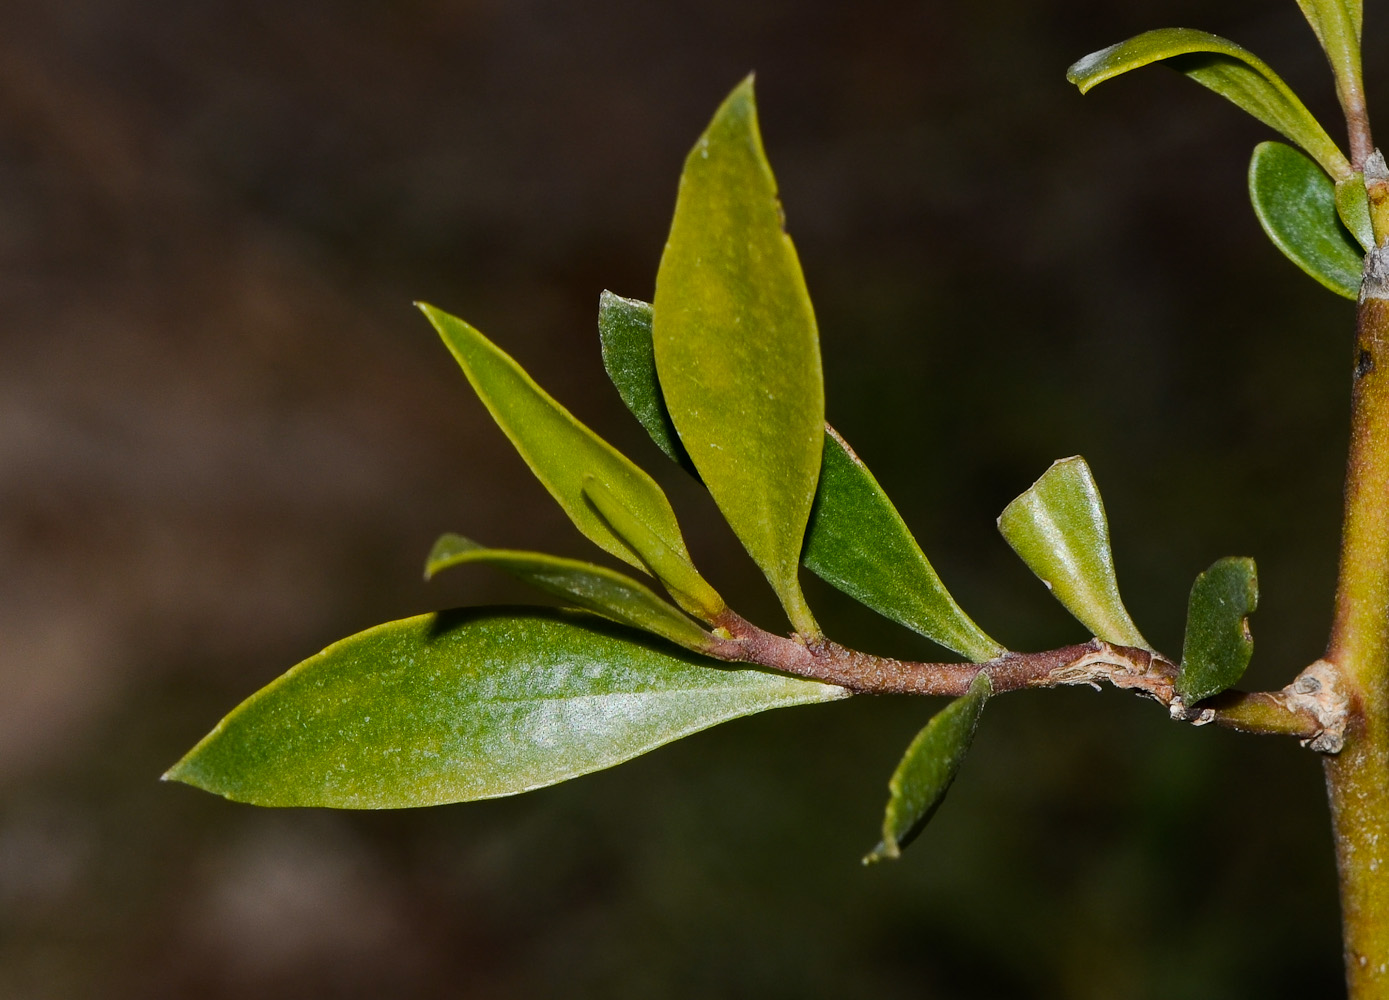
624, 329
737, 348
674, 569
1059, 529
928, 769
1296, 204
596, 588
558, 448
858, 543
1230, 71
1218, 645
470, 704
1336, 24
1353, 207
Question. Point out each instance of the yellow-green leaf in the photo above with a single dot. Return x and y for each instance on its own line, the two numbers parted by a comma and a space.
1353, 208
1218, 645
470, 704
737, 350
1058, 528
1337, 25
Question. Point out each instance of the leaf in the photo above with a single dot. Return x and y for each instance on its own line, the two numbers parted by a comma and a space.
624, 328
1059, 529
1353, 208
1230, 71
1337, 25
470, 704
595, 588
674, 569
858, 543
928, 769
1218, 645
737, 350
558, 448
1296, 205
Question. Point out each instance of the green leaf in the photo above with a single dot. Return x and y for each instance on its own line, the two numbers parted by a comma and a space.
595, 588
1059, 529
1353, 207
1337, 24
624, 328
1227, 69
1218, 644
858, 543
674, 569
470, 704
558, 448
1296, 204
928, 769
737, 349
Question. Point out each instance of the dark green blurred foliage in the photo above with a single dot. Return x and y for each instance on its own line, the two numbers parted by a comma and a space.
226, 440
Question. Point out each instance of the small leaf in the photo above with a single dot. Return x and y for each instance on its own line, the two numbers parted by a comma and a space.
470, 704
1218, 644
624, 328
737, 349
595, 588
1337, 24
674, 569
1353, 207
859, 543
558, 448
1296, 204
1230, 71
928, 769
1059, 529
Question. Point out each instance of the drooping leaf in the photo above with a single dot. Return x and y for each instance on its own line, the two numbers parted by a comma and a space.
928, 769
1353, 207
1218, 645
737, 349
858, 543
1226, 68
559, 449
1058, 528
674, 569
595, 588
1296, 204
470, 704
624, 328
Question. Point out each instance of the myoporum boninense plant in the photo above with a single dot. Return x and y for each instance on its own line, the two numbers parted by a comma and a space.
723, 370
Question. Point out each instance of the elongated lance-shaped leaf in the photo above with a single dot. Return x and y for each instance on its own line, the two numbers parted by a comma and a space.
1296, 204
928, 769
624, 328
858, 543
674, 569
559, 449
737, 349
1353, 207
1059, 529
1337, 24
470, 704
595, 588
1230, 71
1218, 645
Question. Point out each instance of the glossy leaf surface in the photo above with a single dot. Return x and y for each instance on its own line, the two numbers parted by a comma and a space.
1296, 204
1353, 207
737, 350
858, 543
1226, 68
559, 449
596, 588
928, 769
624, 329
470, 704
1218, 645
1058, 528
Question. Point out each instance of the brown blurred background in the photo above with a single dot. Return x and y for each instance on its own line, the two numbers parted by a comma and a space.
226, 439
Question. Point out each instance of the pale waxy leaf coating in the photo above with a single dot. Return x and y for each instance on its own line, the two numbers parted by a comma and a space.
594, 588
559, 449
470, 704
737, 349
1296, 204
928, 769
1224, 67
1058, 528
1218, 646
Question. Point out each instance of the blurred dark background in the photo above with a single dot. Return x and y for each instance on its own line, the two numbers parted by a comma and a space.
226, 440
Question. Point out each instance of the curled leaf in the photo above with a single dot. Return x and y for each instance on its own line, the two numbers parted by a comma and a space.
1218, 645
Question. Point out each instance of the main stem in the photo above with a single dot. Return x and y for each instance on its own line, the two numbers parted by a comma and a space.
1357, 778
